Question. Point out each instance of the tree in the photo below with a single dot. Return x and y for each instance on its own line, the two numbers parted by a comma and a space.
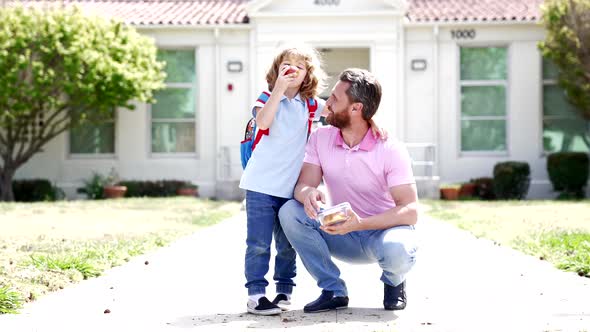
60, 69
567, 45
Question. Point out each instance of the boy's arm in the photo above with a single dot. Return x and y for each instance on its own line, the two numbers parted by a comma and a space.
266, 114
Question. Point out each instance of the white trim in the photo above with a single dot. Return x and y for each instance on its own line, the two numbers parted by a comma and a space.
381, 13
505, 83
242, 26
483, 83
173, 85
400, 85
217, 107
436, 87
401, 7
410, 24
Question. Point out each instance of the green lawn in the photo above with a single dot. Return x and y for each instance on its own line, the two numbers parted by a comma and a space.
558, 231
47, 246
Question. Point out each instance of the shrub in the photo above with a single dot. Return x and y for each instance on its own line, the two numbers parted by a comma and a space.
512, 179
568, 172
93, 188
484, 188
161, 188
34, 190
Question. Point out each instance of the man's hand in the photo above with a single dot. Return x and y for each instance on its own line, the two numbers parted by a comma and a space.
310, 202
349, 225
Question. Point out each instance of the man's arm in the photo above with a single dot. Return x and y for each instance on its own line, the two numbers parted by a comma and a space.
306, 191
405, 212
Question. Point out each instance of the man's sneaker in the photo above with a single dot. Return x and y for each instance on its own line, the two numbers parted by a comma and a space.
263, 307
281, 300
394, 298
327, 301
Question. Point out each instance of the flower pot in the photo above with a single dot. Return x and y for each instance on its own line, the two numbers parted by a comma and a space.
114, 191
467, 190
193, 192
449, 193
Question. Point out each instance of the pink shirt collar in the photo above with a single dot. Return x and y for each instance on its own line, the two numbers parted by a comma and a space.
366, 144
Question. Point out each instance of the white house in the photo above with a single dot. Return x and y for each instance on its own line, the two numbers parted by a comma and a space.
464, 86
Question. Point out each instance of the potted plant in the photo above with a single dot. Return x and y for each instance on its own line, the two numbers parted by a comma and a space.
467, 189
450, 191
188, 189
112, 189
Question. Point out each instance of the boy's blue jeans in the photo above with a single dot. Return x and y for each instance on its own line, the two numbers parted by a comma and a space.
394, 249
263, 222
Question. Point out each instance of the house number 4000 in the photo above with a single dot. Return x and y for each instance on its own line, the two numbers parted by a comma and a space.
463, 34
326, 2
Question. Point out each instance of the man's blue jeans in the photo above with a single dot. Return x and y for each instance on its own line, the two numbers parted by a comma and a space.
262, 211
394, 249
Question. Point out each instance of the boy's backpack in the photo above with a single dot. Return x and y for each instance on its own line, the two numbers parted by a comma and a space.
252, 134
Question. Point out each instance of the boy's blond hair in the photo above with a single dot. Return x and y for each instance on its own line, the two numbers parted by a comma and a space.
315, 79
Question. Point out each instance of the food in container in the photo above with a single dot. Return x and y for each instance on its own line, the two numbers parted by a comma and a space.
334, 215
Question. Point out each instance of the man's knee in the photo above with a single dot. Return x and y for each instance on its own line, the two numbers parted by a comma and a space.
288, 213
398, 257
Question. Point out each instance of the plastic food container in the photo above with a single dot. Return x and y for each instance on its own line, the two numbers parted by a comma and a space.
334, 215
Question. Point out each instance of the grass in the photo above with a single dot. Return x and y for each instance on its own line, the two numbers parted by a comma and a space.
48, 246
557, 231
10, 301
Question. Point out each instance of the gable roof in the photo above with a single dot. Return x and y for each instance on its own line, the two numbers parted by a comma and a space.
223, 12
159, 12
474, 10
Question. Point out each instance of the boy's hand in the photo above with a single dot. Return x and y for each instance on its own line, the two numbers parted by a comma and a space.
378, 132
284, 79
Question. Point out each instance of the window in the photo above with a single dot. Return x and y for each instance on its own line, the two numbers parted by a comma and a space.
93, 139
484, 82
563, 128
173, 116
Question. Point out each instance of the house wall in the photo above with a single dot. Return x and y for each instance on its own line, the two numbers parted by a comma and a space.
379, 34
435, 117
417, 106
216, 107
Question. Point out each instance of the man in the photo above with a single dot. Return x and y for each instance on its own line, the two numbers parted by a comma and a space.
375, 177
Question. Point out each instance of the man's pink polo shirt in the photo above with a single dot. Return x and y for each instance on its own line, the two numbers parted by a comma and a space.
363, 174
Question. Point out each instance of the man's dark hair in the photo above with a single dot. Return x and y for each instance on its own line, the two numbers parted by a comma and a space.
364, 88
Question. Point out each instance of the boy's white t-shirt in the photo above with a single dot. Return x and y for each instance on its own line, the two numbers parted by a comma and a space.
274, 166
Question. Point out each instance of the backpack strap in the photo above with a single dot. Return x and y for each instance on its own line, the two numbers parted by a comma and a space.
260, 102
312, 106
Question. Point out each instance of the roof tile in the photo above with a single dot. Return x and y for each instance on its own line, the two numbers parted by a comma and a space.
219, 12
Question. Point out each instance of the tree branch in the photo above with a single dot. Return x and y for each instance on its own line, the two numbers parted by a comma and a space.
43, 135
574, 17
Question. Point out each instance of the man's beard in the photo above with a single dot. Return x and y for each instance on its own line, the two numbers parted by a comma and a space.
339, 120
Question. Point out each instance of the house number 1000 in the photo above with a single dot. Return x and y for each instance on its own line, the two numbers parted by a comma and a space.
326, 2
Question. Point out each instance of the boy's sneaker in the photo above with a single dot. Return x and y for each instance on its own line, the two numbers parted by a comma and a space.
263, 307
282, 300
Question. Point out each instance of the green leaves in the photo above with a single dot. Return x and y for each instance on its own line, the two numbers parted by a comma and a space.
10, 300
61, 58
567, 45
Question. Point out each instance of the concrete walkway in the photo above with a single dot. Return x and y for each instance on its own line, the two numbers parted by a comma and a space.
459, 284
